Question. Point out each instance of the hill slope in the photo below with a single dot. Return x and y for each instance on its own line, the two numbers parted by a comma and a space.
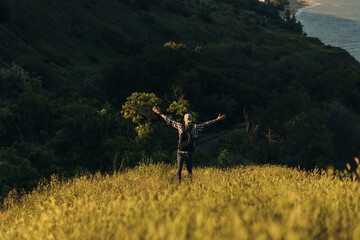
250, 202
302, 98
82, 37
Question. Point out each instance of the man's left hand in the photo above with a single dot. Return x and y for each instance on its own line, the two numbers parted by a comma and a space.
221, 117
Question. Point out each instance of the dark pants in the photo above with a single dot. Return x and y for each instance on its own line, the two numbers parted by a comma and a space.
188, 158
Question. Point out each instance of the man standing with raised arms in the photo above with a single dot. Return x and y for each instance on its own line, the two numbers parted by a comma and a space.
187, 134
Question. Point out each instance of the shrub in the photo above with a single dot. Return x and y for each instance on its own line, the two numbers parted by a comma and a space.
12, 81
34, 64
16, 171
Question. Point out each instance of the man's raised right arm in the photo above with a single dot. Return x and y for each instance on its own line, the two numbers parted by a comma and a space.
157, 110
173, 123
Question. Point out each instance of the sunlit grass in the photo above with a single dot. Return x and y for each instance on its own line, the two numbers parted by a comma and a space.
248, 202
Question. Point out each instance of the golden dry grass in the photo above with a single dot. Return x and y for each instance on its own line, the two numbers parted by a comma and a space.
248, 202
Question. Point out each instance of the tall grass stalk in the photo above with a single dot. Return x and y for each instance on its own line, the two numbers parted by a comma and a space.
247, 202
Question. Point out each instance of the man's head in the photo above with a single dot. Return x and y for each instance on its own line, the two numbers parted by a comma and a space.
188, 118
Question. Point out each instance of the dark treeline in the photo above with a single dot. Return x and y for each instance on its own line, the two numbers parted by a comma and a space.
299, 98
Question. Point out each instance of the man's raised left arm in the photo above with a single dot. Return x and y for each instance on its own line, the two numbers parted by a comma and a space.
220, 117
202, 125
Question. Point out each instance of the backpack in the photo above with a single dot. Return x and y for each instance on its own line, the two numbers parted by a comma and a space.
186, 140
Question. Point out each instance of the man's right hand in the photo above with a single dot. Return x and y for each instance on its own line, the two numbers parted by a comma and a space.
156, 110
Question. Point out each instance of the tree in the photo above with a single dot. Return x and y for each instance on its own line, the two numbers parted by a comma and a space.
138, 108
180, 107
12, 82
291, 23
308, 143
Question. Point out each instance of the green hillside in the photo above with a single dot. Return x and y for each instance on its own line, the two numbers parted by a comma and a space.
69, 69
82, 37
253, 202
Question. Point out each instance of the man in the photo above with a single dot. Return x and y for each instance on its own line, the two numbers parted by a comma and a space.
187, 134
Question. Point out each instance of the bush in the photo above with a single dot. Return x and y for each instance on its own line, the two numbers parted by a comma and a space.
235, 149
290, 23
16, 171
308, 143
35, 65
12, 81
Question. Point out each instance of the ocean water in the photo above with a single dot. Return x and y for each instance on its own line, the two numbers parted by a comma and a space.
334, 22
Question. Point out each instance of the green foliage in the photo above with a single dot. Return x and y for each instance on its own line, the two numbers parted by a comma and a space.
16, 170
291, 23
235, 142
119, 153
36, 65
81, 132
249, 57
34, 112
26, 107
343, 123
308, 143
138, 107
12, 81
241, 147
179, 108
155, 70
143, 131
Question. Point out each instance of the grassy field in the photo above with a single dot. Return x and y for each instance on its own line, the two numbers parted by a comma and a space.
247, 202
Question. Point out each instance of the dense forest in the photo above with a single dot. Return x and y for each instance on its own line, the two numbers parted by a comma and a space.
78, 80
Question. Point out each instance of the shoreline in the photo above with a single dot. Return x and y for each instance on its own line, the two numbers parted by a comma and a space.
294, 6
